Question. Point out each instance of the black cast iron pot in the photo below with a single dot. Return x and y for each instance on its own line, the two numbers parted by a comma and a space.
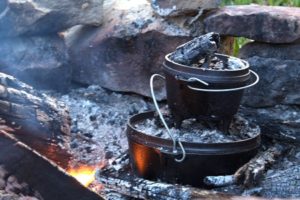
153, 158
219, 100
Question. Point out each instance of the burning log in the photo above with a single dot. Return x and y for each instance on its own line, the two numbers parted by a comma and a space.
30, 111
116, 178
201, 47
251, 172
50, 181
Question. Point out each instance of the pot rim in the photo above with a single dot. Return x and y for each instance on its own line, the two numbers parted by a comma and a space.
213, 70
191, 147
212, 78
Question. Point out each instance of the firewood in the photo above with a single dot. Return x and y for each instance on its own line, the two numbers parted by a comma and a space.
117, 177
30, 112
253, 171
42, 175
200, 47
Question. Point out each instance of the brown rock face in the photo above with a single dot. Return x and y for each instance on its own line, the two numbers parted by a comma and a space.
122, 54
44, 16
171, 8
260, 23
38, 61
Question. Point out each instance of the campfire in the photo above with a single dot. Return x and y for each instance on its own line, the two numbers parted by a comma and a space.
128, 99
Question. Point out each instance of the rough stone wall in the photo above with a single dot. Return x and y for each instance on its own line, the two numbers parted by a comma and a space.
30, 46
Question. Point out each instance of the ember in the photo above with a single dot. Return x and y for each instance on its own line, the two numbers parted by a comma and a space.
84, 174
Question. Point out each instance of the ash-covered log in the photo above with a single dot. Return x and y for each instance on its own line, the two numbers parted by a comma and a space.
253, 171
117, 177
30, 112
50, 181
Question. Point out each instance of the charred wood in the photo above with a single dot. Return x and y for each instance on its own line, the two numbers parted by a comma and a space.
253, 171
200, 47
30, 111
50, 181
117, 177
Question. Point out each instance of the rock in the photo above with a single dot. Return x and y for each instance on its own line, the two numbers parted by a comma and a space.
38, 61
126, 50
265, 50
280, 122
171, 8
261, 23
279, 82
43, 16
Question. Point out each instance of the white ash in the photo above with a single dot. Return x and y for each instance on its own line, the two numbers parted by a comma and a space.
218, 64
99, 120
235, 63
193, 131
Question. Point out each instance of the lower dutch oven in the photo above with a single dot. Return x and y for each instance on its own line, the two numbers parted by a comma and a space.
153, 158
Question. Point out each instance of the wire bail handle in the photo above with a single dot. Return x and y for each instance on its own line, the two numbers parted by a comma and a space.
192, 79
164, 122
196, 89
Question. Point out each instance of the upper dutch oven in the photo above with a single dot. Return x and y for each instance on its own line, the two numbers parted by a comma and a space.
196, 92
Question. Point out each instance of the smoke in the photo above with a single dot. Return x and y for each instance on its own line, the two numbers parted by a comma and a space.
3, 7
41, 61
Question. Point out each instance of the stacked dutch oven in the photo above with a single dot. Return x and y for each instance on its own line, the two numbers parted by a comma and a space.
206, 87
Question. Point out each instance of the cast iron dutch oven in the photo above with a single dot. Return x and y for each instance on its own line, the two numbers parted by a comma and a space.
153, 157
219, 98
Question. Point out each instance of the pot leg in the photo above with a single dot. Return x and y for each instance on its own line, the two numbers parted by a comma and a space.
178, 120
224, 124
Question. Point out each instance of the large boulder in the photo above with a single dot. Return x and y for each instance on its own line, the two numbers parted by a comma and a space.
44, 16
122, 54
38, 61
279, 82
261, 23
265, 50
171, 8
